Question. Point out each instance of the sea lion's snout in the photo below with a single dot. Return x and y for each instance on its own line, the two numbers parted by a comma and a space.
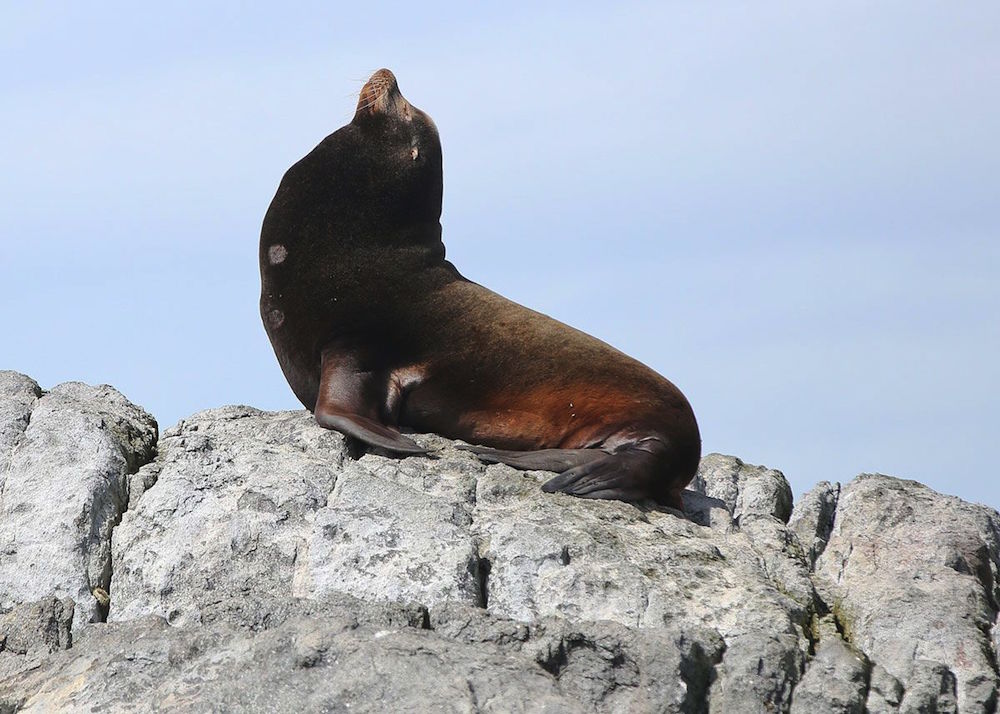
380, 95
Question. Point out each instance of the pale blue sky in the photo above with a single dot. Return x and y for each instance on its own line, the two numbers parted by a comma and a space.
791, 210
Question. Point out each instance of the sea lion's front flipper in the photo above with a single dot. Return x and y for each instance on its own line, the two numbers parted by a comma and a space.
557, 460
369, 431
349, 400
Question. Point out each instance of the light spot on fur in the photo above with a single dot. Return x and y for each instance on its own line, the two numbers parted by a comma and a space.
277, 254
276, 318
414, 153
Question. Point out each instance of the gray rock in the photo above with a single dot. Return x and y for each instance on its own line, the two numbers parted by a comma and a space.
884, 691
259, 504
318, 662
65, 489
264, 613
812, 518
783, 560
930, 690
912, 575
18, 395
32, 630
37, 626
707, 511
233, 498
747, 490
399, 530
604, 665
263, 563
836, 679
586, 561
245, 504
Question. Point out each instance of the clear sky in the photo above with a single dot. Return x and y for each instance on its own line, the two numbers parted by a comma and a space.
791, 210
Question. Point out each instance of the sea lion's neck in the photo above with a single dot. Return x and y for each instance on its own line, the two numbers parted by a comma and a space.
417, 234
414, 247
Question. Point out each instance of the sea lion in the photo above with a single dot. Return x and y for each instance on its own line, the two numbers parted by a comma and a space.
375, 330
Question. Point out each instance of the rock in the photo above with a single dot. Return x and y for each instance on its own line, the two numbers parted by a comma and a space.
707, 511
884, 691
399, 531
43, 626
836, 680
65, 488
912, 576
556, 556
32, 630
18, 396
316, 662
748, 491
812, 518
930, 690
604, 665
231, 511
264, 563
248, 504
264, 613
260, 504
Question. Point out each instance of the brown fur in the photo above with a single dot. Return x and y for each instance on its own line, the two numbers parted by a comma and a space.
377, 330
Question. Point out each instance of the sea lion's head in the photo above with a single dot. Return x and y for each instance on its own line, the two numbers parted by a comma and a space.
368, 191
375, 181
398, 149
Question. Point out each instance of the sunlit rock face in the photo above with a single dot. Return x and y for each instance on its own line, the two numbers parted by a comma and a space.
247, 560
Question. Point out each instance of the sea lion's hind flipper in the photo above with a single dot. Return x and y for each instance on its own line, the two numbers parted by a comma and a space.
369, 431
557, 460
631, 473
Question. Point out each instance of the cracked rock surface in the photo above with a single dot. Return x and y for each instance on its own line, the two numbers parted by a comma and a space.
254, 561
65, 458
912, 576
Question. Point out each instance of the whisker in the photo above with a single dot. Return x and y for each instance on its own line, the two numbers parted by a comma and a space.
368, 105
373, 91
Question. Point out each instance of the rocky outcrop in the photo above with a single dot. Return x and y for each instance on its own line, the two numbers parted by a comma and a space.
251, 560
65, 460
912, 577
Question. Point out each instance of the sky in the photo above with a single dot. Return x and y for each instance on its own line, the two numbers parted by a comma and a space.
790, 210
